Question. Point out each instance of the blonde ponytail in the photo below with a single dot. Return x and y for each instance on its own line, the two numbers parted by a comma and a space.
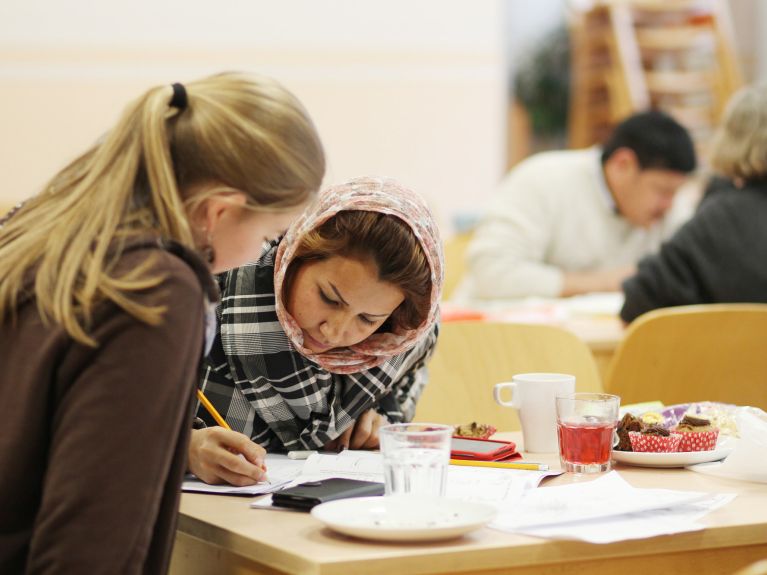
245, 134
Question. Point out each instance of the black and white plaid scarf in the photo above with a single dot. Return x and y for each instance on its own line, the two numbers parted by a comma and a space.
267, 390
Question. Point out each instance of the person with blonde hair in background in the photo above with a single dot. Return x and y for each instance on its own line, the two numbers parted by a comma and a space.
719, 255
325, 338
105, 299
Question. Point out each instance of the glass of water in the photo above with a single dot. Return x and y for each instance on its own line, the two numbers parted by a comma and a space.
415, 458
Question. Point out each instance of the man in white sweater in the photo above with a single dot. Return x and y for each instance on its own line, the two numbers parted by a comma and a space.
572, 222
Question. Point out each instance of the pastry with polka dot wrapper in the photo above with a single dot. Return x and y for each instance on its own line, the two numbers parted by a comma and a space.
655, 439
697, 434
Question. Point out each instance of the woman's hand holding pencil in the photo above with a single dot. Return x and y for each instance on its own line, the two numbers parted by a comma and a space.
220, 455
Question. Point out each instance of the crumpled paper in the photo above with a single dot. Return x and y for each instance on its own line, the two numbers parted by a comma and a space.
748, 459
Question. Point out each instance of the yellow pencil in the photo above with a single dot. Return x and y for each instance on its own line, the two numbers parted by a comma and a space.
212, 410
500, 464
222, 422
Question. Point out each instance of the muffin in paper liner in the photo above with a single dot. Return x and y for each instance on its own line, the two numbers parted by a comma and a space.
654, 443
474, 430
697, 440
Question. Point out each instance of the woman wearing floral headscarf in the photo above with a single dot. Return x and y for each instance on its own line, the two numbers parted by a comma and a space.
325, 338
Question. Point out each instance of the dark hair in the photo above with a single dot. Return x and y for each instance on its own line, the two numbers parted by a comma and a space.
659, 142
385, 239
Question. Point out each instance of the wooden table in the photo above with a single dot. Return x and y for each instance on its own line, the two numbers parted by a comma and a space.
219, 534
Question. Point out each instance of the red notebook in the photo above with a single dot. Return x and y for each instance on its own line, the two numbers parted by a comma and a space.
483, 449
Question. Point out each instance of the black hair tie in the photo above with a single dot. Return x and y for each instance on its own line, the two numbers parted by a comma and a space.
179, 99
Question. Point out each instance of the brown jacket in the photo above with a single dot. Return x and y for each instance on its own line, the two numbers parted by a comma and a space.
93, 445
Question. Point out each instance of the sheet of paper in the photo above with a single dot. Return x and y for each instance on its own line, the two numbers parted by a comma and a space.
280, 472
597, 303
499, 487
641, 525
546, 310
748, 460
349, 464
608, 496
606, 510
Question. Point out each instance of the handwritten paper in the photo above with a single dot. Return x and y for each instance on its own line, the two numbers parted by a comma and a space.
281, 471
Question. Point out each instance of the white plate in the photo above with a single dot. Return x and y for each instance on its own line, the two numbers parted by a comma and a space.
403, 518
677, 459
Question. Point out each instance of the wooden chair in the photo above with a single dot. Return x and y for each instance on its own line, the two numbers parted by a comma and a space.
471, 357
712, 352
758, 568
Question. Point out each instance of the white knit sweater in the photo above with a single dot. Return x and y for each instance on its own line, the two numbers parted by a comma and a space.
552, 214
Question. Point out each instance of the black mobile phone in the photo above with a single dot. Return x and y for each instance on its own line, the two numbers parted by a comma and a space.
307, 495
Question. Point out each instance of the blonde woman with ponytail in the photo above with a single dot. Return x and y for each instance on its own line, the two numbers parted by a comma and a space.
105, 299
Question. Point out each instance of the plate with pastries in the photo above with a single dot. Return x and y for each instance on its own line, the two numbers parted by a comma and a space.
676, 436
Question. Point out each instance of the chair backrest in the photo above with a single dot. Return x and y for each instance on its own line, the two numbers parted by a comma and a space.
758, 568
455, 262
714, 352
471, 357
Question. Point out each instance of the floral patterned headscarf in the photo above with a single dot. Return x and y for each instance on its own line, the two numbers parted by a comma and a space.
372, 195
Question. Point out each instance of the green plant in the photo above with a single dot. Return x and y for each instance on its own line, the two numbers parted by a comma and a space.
542, 83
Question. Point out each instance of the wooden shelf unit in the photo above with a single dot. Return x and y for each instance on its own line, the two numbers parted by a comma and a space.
632, 55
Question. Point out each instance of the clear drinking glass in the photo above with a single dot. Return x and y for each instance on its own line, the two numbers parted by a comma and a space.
586, 424
415, 458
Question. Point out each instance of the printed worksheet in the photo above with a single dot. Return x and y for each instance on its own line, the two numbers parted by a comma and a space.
498, 487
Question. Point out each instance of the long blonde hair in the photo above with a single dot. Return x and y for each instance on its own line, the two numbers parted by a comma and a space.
145, 175
740, 145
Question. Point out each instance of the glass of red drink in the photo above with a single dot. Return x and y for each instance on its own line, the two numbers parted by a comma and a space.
586, 425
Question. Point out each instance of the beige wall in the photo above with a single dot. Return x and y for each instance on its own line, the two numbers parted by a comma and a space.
414, 90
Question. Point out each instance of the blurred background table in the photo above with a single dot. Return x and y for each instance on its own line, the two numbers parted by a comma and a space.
221, 534
592, 317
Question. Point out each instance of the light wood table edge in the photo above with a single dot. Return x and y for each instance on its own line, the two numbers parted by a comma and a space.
242, 547
522, 553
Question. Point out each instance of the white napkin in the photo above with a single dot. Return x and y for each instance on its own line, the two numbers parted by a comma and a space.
748, 459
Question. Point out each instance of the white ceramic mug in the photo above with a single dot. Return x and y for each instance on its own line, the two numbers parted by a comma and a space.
533, 395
